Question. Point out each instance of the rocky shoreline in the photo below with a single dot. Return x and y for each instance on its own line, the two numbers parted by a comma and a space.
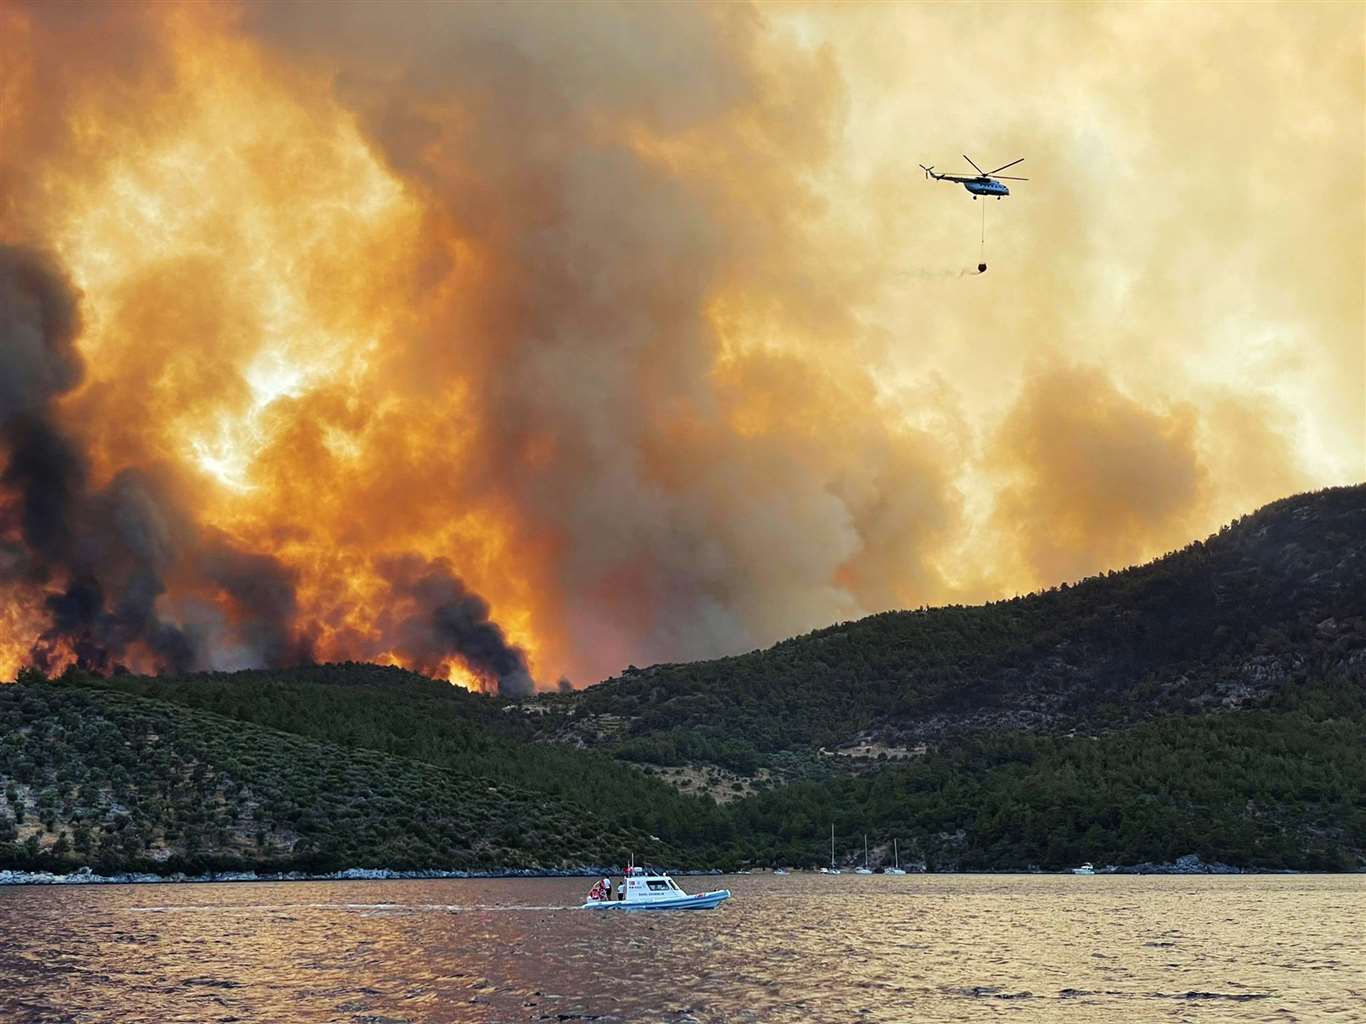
1190, 864
85, 876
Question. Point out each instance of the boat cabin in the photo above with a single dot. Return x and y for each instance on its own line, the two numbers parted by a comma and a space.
641, 886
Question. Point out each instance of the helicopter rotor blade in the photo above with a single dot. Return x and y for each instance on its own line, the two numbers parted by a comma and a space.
978, 169
1008, 177
1004, 166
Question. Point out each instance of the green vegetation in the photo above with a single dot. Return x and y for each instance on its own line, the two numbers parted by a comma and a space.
1275, 599
1213, 702
90, 776
409, 716
1279, 787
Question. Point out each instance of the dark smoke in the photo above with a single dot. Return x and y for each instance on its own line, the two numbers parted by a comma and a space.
444, 620
105, 557
262, 593
39, 322
109, 550
46, 474
116, 567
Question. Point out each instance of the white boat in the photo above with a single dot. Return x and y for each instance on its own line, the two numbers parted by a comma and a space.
865, 870
896, 853
780, 871
831, 870
1086, 869
652, 890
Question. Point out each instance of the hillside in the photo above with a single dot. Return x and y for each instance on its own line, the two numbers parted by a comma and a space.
94, 775
1278, 786
91, 776
1226, 622
1212, 702
399, 713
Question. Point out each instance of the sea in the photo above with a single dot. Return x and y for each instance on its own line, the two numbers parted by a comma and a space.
796, 948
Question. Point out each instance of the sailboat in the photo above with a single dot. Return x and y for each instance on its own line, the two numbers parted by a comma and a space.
898, 870
831, 870
865, 870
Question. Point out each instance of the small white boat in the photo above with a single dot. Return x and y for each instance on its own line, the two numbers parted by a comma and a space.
896, 853
780, 871
1086, 869
650, 890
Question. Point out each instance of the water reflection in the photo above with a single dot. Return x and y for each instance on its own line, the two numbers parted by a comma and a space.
801, 948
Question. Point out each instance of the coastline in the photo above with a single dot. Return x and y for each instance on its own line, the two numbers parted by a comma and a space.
86, 876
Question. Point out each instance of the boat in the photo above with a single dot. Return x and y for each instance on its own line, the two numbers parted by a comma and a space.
896, 854
865, 870
831, 870
1086, 869
780, 871
642, 889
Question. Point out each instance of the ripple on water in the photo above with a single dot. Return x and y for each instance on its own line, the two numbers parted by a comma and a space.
803, 948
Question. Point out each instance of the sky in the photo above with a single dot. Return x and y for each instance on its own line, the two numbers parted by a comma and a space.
516, 344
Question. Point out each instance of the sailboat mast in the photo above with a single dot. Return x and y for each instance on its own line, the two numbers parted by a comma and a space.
896, 853
832, 846
865, 849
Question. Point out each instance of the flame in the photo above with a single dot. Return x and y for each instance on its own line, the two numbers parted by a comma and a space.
237, 251
619, 325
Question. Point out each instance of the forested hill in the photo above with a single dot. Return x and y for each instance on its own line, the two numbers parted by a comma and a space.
93, 776
1275, 597
382, 776
1212, 702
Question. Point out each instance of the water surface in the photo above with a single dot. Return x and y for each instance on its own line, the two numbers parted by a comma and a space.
806, 948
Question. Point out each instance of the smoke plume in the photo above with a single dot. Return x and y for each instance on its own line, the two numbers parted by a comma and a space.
514, 341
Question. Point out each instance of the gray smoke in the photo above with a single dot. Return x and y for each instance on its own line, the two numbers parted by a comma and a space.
104, 557
444, 620
39, 322
108, 552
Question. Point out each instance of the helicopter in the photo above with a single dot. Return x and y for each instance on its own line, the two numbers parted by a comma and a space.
986, 183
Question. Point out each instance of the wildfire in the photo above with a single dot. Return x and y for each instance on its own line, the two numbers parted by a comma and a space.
514, 341
238, 250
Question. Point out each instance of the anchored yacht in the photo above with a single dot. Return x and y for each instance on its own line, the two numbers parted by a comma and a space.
896, 853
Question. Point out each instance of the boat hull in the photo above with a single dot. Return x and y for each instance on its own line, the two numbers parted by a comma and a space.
699, 901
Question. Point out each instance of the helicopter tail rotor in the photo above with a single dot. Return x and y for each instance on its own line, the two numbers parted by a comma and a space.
928, 170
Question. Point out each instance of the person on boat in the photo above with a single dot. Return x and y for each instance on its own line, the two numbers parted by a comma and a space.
602, 890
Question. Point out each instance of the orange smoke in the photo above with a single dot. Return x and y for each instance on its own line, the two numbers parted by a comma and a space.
494, 342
